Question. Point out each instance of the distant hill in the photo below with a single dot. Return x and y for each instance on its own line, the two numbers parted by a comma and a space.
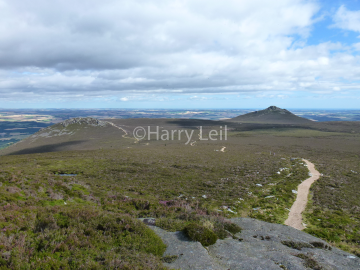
271, 115
87, 133
81, 133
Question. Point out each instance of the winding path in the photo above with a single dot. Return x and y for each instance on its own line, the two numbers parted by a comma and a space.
193, 143
111, 123
295, 216
126, 133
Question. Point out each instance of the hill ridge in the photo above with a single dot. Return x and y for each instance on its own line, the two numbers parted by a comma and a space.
83, 120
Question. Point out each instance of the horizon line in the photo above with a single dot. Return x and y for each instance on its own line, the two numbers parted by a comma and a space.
195, 109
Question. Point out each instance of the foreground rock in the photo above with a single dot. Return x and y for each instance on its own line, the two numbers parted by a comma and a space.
262, 245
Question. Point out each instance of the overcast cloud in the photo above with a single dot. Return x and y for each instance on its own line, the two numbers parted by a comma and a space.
123, 48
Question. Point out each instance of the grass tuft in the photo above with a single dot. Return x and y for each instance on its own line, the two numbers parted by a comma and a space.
200, 234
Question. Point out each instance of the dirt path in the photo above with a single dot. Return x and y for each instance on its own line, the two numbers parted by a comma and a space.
295, 218
126, 133
118, 128
194, 142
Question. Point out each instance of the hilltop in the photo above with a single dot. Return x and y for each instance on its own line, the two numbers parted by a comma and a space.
80, 133
271, 115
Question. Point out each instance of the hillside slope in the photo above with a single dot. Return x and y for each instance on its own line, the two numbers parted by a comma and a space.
92, 134
271, 115
72, 134
254, 177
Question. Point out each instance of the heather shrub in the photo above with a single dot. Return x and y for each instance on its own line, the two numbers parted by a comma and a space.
201, 234
82, 238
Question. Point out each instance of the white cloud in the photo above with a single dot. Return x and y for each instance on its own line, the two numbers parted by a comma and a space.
198, 98
130, 47
347, 19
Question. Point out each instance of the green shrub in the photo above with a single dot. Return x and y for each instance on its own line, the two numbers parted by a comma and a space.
169, 224
73, 237
296, 245
309, 262
232, 227
320, 245
62, 220
141, 204
201, 234
220, 232
169, 258
44, 221
80, 188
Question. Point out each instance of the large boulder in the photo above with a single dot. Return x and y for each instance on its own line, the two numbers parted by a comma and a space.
260, 245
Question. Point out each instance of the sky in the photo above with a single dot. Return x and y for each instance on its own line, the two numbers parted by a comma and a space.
180, 54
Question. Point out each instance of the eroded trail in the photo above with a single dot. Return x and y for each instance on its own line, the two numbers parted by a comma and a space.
136, 140
194, 142
295, 216
118, 128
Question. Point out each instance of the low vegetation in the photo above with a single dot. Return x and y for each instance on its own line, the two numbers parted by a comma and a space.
309, 261
76, 237
333, 213
200, 234
92, 210
88, 218
296, 245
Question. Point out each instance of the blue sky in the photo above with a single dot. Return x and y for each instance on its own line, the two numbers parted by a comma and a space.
323, 30
179, 54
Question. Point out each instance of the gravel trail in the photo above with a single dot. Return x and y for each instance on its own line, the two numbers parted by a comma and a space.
295, 216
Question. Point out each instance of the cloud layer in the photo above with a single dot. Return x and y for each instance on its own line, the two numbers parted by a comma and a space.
347, 19
111, 48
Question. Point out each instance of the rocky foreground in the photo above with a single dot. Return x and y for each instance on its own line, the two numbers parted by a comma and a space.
260, 245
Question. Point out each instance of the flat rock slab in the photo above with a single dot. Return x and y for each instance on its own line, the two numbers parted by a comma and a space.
191, 255
261, 247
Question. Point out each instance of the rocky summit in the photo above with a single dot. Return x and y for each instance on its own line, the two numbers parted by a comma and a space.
272, 109
80, 133
260, 245
271, 115
84, 120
